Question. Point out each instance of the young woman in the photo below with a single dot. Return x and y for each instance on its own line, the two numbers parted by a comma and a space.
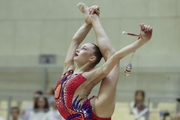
138, 105
15, 112
41, 108
29, 108
73, 88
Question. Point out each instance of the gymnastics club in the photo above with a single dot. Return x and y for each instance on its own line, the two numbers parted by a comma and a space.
131, 34
128, 68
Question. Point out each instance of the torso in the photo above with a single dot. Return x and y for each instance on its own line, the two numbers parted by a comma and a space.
71, 94
40, 115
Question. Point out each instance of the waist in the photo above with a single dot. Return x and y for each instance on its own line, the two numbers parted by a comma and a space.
76, 108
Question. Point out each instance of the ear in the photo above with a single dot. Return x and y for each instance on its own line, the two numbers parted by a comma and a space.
92, 58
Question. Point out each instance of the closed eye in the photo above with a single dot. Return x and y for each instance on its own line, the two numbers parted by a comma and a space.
83, 48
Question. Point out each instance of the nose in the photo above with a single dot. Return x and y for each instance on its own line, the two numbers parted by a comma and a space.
77, 50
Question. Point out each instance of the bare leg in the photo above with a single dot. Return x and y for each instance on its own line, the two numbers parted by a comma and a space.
105, 102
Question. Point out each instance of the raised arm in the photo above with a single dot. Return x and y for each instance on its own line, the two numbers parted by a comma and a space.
146, 33
102, 39
78, 37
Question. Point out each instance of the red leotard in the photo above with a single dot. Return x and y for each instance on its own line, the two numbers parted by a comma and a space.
73, 109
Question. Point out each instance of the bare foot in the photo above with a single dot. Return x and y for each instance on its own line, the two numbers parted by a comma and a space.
81, 7
92, 10
84, 9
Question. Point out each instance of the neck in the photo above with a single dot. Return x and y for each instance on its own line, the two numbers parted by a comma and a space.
139, 101
14, 118
83, 68
41, 109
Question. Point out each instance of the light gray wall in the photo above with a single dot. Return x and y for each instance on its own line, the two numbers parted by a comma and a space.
32, 27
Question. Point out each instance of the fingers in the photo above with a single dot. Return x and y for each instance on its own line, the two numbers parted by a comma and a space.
94, 10
146, 31
142, 26
148, 28
95, 7
145, 28
91, 11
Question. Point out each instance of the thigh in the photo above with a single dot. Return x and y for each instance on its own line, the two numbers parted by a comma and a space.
104, 103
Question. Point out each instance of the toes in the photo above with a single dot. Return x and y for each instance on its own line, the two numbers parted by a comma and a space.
82, 7
80, 4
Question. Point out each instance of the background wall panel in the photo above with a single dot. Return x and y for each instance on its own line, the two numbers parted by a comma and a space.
29, 28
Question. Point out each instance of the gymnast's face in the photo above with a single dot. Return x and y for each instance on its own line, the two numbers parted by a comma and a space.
85, 54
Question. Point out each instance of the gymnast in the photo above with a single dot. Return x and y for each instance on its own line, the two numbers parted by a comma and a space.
72, 90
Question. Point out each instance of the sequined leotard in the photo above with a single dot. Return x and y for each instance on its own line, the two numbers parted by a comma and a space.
73, 109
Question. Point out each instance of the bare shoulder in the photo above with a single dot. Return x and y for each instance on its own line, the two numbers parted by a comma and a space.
69, 65
94, 76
